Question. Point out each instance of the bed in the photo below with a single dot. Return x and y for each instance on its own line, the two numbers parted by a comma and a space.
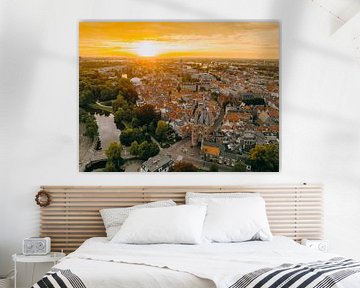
294, 211
99, 263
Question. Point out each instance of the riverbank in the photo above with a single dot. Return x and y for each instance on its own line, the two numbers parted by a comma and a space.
99, 106
85, 143
90, 151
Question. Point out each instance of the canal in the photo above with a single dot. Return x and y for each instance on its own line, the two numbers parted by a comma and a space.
108, 132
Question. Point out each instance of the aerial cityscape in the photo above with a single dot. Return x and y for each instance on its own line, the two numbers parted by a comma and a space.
179, 96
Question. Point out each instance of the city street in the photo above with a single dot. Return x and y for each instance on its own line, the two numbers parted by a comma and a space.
183, 151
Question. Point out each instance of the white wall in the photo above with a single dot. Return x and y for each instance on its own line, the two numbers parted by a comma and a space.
320, 102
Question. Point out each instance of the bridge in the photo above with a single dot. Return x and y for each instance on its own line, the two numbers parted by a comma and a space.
93, 155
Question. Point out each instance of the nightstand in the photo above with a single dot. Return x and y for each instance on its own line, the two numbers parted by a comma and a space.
52, 257
320, 245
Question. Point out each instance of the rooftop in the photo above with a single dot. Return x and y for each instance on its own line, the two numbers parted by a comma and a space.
210, 148
154, 163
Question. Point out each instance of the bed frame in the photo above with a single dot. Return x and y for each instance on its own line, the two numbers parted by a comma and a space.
73, 215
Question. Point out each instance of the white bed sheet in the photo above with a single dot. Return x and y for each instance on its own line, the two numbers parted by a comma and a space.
101, 274
106, 274
100, 263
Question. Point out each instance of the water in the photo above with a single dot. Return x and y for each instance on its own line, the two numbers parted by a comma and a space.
90, 167
108, 132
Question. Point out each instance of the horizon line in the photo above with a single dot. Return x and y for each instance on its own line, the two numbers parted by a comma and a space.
177, 57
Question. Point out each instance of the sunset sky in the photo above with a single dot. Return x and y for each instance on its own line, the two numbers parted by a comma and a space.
253, 40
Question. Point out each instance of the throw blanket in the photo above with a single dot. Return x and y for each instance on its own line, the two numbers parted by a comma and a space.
319, 274
59, 278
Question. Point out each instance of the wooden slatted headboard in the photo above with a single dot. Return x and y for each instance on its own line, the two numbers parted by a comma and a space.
73, 215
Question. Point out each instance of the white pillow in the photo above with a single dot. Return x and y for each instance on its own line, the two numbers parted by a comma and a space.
113, 218
173, 225
236, 220
204, 198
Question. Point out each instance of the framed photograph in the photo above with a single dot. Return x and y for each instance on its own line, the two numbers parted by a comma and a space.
179, 96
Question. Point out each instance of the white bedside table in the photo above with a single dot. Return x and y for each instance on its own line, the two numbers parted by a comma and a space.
320, 245
53, 257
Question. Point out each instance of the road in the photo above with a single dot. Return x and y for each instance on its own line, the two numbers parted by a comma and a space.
157, 143
190, 154
219, 120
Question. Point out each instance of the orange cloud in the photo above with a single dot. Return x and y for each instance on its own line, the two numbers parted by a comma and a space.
186, 39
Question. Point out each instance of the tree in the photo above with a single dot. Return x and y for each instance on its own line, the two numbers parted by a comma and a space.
147, 150
265, 158
127, 89
214, 167
134, 148
129, 135
183, 166
240, 167
107, 93
110, 167
83, 115
119, 118
127, 115
85, 98
135, 122
113, 154
126, 137
91, 127
161, 130
147, 114
120, 102
122, 115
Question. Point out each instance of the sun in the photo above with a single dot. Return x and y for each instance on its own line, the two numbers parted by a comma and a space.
146, 48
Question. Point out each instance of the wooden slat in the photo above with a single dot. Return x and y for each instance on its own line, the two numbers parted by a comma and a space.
73, 216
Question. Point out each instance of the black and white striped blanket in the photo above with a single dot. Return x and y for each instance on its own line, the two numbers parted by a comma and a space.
59, 278
320, 274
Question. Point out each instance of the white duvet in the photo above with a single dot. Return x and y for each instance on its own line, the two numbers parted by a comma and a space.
100, 263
